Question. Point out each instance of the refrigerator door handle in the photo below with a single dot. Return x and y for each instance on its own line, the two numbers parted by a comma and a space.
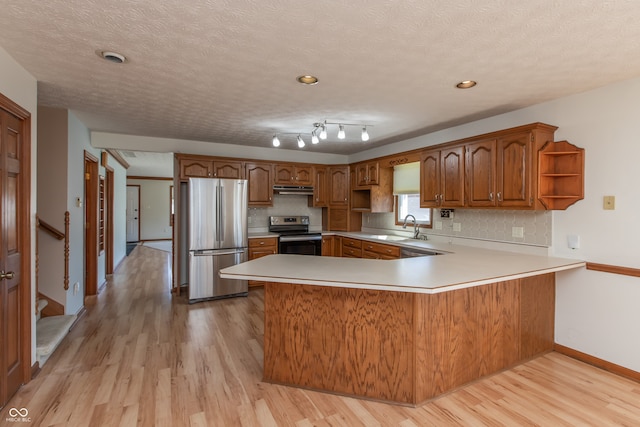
221, 207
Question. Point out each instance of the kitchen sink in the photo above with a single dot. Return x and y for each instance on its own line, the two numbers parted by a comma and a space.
388, 237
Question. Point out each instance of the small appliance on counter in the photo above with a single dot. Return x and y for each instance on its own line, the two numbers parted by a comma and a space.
295, 237
217, 236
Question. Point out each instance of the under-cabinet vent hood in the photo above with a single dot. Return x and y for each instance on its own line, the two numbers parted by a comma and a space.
293, 190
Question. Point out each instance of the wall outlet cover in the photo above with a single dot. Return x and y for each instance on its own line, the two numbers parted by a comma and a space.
517, 231
457, 226
609, 203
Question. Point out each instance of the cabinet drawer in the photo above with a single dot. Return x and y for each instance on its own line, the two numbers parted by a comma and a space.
348, 242
350, 252
262, 242
382, 249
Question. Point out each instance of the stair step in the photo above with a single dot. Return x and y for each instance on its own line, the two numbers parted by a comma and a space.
50, 331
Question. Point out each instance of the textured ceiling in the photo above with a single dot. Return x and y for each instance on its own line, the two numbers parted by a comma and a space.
224, 71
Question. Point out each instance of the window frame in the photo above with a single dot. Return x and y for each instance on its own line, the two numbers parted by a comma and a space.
400, 221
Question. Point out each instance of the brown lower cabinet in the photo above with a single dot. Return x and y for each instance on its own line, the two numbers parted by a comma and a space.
356, 248
259, 247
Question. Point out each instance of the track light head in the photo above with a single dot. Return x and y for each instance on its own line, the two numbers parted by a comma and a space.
365, 134
300, 142
275, 141
314, 137
341, 133
323, 132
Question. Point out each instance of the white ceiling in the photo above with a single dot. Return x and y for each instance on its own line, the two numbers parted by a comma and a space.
224, 71
144, 163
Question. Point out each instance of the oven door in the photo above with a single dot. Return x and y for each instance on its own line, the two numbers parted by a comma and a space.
300, 245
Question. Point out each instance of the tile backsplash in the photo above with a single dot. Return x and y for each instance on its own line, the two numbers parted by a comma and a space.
294, 205
493, 225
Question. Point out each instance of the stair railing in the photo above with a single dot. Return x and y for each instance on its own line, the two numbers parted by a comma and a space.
59, 235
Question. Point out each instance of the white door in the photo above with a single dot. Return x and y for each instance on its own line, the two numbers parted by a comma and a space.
133, 213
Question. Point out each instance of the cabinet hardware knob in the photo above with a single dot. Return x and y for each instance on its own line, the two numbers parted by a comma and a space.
491, 196
499, 196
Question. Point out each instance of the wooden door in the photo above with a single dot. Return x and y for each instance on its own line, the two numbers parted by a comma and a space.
373, 173
339, 185
481, 173
15, 285
430, 179
361, 178
452, 177
514, 170
260, 183
91, 181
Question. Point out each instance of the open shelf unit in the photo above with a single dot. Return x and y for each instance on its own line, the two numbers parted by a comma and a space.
560, 175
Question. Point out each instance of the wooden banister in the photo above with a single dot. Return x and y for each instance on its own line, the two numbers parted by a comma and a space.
49, 228
615, 269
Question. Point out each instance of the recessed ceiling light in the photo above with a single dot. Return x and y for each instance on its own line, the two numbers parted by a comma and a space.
307, 80
466, 84
114, 57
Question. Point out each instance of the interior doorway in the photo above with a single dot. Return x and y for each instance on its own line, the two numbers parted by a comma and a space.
15, 248
133, 213
91, 183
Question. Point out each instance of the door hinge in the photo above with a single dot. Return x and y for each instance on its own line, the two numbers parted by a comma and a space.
531, 137
87, 176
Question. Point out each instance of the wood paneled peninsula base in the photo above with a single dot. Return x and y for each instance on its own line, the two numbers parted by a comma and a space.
403, 347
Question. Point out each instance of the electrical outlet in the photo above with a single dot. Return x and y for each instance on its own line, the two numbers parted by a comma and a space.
457, 226
517, 231
609, 203
438, 225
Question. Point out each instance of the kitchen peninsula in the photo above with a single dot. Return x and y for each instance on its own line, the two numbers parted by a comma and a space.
405, 330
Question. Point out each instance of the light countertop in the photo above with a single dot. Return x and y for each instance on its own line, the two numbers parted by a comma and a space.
459, 267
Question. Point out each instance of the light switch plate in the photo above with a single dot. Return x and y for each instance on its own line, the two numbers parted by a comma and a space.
573, 241
609, 203
457, 226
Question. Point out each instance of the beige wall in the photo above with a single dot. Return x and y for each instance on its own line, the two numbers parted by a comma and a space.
154, 208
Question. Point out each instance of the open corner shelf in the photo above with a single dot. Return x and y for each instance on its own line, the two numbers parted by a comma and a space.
560, 175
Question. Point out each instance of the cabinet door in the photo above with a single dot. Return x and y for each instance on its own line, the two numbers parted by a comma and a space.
260, 184
514, 170
320, 187
452, 177
430, 179
284, 174
481, 173
327, 246
373, 173
361, 175
304, 175
339, 186
224, 169
195, 168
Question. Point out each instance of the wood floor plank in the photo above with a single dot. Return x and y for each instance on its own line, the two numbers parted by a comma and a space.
143, 357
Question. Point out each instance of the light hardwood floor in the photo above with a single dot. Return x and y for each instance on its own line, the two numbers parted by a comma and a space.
141, 357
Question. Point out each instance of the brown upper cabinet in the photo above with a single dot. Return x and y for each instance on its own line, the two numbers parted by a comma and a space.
202, 168
442, 177
291, 174
492, 170
366, 174
260, 177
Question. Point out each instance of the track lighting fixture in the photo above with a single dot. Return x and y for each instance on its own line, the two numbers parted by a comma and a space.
319, 132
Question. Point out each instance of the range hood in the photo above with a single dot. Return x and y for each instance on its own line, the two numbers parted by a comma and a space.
293, 190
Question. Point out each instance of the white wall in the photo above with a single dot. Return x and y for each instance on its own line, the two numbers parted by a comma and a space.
154, 208
52, 199
22, 88
596, 313
119, 211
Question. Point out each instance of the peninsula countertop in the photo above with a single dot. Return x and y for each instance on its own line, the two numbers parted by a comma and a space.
457, 267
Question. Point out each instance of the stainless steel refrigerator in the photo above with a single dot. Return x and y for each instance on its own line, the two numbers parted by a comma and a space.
217, 236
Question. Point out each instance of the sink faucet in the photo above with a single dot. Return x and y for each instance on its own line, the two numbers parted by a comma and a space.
416, 232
